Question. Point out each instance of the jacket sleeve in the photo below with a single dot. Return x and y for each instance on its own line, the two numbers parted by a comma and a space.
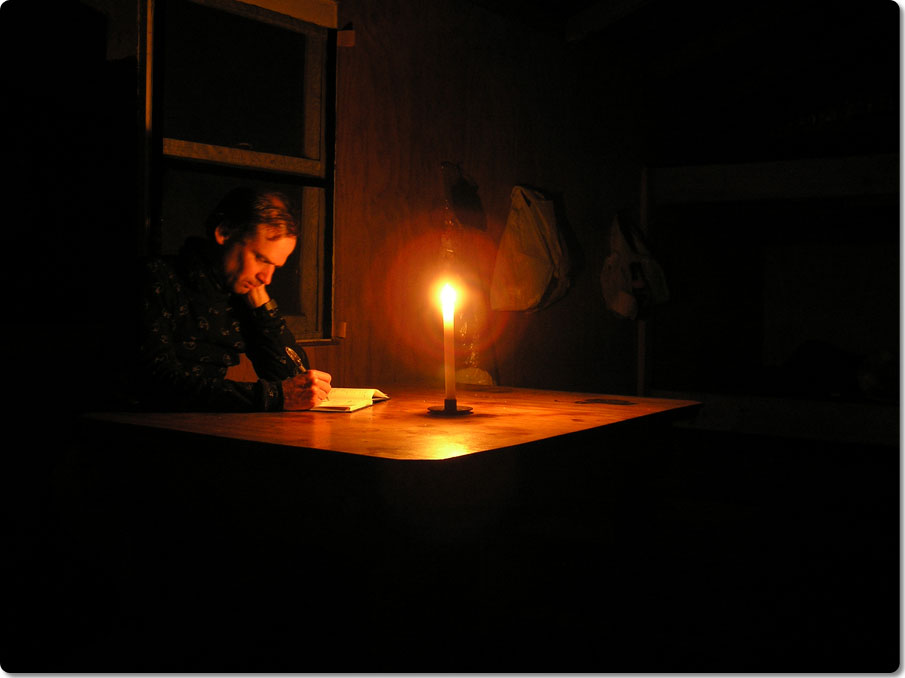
165, 382
266, 340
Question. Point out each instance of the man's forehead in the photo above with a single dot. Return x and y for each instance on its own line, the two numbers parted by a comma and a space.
276, 248
265, 232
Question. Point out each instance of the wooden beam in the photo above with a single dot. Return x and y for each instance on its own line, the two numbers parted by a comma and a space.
599, 16
320, 12
805, 178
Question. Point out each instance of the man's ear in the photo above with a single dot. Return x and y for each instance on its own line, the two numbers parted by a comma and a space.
221, 234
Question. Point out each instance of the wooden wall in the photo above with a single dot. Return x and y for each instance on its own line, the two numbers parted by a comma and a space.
446, 81
424, 83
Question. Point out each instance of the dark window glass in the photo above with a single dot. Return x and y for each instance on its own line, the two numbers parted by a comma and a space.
232, 82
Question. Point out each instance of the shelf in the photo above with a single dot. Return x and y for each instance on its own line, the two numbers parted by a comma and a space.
864, 422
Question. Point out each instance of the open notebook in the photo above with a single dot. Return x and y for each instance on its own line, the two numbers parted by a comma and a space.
350, 399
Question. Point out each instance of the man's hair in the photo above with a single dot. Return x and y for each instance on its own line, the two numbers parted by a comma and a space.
242, 210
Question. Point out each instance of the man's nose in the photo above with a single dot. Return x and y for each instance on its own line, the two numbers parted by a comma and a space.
265, 275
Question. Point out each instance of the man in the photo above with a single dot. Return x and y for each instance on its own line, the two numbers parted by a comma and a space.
204, 307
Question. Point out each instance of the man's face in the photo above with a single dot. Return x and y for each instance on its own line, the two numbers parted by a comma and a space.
250, 262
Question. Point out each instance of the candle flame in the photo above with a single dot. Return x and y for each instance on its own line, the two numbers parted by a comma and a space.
448, 300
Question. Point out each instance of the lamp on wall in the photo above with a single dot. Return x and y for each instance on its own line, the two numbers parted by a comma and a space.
466, 251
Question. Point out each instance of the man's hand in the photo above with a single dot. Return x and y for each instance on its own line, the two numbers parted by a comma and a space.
306, 390
257, 296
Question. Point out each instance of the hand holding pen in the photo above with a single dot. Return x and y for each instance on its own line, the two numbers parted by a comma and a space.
306, 390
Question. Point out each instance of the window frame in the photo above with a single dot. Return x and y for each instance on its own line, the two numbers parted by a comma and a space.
311, 171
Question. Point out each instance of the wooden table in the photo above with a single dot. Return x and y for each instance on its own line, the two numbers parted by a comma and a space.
545, 532
403, 429
387, 539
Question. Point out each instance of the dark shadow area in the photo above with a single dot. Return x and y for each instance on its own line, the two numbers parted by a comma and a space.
637, 551
68, 126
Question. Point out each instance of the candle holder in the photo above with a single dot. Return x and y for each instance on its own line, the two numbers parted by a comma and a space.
449, 409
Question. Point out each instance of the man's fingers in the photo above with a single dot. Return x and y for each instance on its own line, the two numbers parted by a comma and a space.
320, 386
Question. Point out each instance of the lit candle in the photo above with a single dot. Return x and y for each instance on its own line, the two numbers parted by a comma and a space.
448, 300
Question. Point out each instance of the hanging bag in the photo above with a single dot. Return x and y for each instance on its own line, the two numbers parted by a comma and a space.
531, 270
632, 281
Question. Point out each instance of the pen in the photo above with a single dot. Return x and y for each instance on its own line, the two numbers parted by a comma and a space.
295, 358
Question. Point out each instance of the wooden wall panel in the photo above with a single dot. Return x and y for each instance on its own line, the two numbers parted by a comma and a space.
445, 81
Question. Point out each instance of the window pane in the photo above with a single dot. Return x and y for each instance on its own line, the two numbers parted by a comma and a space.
232, 81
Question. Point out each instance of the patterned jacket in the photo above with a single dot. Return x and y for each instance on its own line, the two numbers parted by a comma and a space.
193, 329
